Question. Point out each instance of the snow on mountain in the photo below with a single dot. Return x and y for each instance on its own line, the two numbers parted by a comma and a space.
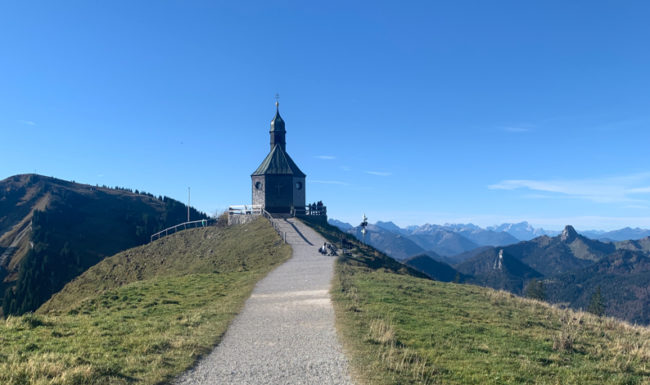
523, 231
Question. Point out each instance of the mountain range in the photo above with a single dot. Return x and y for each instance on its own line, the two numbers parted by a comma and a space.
395, 245
450, 241
572, 268
443, 242
617, 235
522, 230
570, 265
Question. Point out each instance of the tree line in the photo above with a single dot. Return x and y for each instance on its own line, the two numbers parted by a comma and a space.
76, 232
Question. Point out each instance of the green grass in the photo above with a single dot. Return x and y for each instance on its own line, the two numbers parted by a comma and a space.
398, 328
144, 315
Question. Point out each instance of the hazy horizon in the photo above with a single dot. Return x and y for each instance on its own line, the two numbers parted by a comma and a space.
485, 225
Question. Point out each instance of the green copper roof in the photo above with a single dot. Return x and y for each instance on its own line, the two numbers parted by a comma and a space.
278, 162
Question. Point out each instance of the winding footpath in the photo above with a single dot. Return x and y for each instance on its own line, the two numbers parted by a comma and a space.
285, 334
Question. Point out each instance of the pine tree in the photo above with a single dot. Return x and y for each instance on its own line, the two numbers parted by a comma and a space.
596, 304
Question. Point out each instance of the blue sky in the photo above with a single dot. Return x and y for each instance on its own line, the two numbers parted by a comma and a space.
463, 111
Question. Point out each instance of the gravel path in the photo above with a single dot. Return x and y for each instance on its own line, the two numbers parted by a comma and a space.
285, 333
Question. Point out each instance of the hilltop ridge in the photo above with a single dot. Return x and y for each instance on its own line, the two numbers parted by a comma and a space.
51, 230
205, 250
144, 315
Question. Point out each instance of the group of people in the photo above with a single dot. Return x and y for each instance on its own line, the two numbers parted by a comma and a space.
317, 208
327, 249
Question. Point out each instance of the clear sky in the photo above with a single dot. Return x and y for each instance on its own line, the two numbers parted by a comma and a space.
456, 111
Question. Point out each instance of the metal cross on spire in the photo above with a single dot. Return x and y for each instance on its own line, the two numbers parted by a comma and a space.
277, 100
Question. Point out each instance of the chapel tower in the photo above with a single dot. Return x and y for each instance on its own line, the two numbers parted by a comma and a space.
277, 129
278, 185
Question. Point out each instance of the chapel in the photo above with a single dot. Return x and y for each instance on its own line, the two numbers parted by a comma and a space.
278, 184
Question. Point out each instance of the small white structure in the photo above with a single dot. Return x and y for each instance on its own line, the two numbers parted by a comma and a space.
240, 214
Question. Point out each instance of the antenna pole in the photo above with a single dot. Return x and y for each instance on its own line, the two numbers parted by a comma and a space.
188, 204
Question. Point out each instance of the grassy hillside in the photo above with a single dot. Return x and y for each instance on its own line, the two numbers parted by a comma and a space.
143, 315
398, 328
52, 230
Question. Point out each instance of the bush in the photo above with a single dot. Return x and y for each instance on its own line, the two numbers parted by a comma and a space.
535, 290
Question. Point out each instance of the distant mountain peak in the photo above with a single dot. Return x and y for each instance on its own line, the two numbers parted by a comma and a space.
568, 234
344, 226
390, 226
523, 231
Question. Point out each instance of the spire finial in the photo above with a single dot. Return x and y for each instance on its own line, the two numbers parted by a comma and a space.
277, 101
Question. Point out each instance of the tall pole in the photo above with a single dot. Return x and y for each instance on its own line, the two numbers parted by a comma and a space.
188, 204
363, 225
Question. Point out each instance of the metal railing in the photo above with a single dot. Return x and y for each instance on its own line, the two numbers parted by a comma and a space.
277, 228
184, 225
